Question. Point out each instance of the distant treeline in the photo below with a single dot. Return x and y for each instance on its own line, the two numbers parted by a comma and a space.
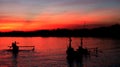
110, 31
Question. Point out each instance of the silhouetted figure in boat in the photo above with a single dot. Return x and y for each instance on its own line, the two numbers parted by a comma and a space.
81, 50
70, 54
15, 48
70, 51
75, 58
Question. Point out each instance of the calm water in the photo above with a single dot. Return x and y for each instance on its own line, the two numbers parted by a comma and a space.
51, 52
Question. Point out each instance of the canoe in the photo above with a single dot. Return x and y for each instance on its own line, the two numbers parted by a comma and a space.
31, 48
23, 50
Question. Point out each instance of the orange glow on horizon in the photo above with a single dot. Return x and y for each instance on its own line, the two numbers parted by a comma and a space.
25, 15
48, 20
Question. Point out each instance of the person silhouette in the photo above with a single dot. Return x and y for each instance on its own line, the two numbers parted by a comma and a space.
70, 51
15, 48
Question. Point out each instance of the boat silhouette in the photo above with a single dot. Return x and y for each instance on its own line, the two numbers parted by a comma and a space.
15, 49
76, 56
71, 53
81, 51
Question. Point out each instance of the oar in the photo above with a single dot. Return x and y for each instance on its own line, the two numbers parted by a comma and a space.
22, 46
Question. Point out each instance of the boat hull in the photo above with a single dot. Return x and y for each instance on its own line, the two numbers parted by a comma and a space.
10, 50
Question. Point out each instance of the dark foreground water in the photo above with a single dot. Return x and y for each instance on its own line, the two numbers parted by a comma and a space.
51, 52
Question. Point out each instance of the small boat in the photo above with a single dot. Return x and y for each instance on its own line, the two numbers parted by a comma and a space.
80, 52
15, 49
31, 48
25, 50
72, 54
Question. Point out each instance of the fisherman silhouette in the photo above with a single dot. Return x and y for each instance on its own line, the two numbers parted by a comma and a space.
75, 57
15, 48
70, 51
70, 54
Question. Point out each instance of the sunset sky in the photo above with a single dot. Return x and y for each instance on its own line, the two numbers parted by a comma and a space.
28, 15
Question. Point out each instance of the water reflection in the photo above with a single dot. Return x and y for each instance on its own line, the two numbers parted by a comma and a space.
14, 59
50, 52
75, 58
75, 62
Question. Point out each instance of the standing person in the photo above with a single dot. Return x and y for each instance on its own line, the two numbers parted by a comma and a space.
70, 51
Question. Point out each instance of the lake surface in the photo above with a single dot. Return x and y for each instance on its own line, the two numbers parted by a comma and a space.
51, 52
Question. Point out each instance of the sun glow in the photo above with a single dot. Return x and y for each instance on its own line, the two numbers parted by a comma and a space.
32, 15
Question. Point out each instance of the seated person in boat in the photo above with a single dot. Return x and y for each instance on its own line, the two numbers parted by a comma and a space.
15, 48
82, 50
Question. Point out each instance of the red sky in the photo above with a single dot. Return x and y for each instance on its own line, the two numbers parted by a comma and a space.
32, 15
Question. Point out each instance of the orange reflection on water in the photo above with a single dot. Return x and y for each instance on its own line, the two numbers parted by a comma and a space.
51, 44
52, 51
43, 44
